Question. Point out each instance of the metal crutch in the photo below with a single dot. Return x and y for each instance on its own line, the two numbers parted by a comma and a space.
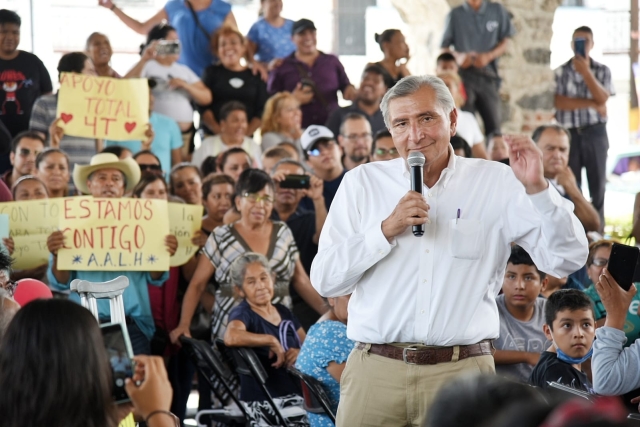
113, 289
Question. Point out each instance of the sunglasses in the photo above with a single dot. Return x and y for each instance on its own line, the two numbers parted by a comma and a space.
384, 151
144, 167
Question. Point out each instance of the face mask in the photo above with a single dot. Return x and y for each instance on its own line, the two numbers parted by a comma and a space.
573, 360
568, 359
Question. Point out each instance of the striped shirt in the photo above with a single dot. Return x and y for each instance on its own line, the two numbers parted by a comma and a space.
570, 83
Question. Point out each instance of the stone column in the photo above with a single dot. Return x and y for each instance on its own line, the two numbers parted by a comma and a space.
527, 86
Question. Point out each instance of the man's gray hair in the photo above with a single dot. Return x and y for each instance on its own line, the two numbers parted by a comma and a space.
238, 268
6, 314
410, 85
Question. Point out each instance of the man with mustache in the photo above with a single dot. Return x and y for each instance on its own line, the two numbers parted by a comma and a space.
24, 149
355, 139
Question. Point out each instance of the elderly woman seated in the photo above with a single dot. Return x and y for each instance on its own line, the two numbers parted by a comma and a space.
275, 334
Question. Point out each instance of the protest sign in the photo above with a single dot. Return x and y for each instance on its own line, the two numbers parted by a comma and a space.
113, 234
184, 221
30, 224
103, 107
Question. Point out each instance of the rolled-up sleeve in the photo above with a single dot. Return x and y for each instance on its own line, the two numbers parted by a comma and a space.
345, 250
615, 369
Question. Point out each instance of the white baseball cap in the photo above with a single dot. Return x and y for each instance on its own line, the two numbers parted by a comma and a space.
314, 133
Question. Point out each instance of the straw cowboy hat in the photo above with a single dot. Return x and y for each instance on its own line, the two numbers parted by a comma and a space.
128, 167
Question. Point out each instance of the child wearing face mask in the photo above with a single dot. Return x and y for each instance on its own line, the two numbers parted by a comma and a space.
570, 326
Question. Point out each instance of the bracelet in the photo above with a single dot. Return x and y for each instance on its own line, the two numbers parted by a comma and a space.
113, 6
160, 411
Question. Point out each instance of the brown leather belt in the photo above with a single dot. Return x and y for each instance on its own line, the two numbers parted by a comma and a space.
428, 356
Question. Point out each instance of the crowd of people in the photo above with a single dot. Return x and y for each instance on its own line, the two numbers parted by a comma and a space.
306, 230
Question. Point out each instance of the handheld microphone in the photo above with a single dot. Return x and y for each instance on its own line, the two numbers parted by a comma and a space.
415, 160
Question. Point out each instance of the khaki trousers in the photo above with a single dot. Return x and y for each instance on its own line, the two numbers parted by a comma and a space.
378, 391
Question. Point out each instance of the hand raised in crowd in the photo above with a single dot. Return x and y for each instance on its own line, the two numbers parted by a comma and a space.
171, 242
581, 64
154, 392
525, 159
106, 3
275, 63
275, 349
303, 95
412, 209
55, 241
291, 356
149, 52
616, 300
149, 135
9, 244
56, 132
199, 238
482, 59
316, 188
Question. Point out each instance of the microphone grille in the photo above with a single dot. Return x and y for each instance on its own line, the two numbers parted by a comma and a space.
415, 158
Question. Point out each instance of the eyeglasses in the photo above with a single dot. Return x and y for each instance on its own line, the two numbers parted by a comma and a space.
144, 167
600, 262
357, 136
255, 198
327, 145
384, 151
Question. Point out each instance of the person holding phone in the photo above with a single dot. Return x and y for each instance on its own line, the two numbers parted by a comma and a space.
583, 87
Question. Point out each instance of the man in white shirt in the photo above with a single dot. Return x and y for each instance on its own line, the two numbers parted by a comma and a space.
423, 308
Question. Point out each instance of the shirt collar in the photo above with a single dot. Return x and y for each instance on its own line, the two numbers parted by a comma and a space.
446, 173
483, 8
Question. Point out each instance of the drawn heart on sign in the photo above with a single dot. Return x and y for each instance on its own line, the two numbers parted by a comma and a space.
130, 126
66, 118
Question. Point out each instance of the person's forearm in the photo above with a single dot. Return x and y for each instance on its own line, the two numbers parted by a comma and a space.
511, 357
479, 152
500, 49
189, 268
136, 70
210, 121
62, 276
309, 295
190, 302
615, 368
238, 338
321, 216
583, 209
134, 24
201, 96
565, 103
254, 124
176, 156
598, 92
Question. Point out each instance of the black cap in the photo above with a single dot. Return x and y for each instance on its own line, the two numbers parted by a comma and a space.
302, 25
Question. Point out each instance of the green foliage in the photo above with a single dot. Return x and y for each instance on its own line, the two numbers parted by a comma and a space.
619, 228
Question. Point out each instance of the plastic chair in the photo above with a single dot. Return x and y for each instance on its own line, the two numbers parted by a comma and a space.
246, 362
315, 397
113, 289
212, 367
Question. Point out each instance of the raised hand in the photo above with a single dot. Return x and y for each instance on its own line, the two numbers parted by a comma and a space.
525, 159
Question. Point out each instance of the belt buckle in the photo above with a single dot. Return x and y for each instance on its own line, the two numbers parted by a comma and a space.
404, 355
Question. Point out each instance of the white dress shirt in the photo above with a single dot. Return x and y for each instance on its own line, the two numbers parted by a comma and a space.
438, 289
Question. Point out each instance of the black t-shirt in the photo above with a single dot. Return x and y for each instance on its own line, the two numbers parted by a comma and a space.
280, 382
241, 86
551, 369
22, 80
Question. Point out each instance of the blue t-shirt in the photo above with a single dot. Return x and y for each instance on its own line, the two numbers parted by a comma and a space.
196, 46
279, 382
326, 342
135, 296
167, 137
272, 42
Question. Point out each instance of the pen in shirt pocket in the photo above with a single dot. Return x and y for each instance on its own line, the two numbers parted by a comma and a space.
458, 216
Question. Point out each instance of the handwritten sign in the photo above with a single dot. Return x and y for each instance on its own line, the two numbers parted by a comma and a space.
184, 221
30, 224
103, 107
114, 234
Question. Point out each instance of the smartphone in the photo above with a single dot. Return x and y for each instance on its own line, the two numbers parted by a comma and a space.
622, 264
118, 346
578, 46
296, 181
168, 47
